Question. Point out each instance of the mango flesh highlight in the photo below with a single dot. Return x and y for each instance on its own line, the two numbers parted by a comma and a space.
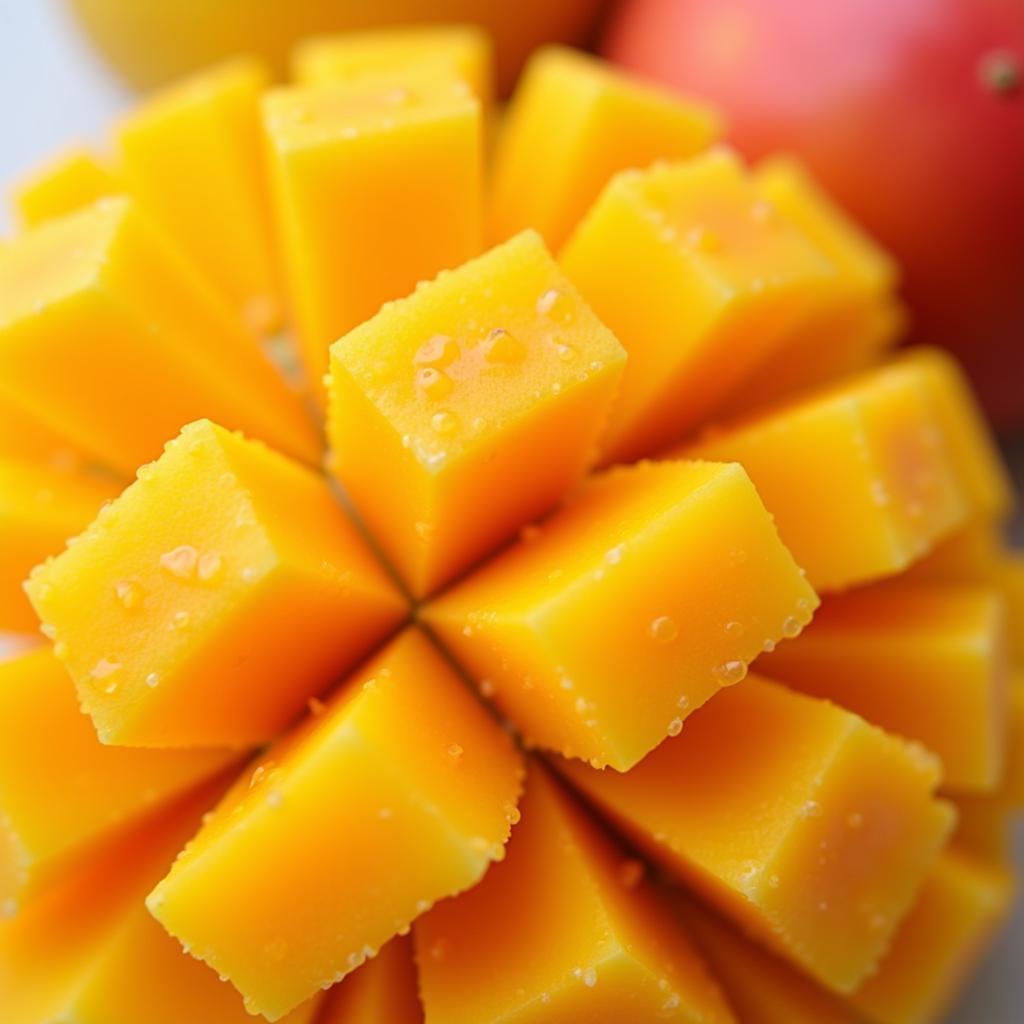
699, 280
61, 790
859, 476
112, 339
192, 156
198, 610
810, 828
576, 942
927, 663
68, 181
440, 404
421, 786
384, 989
356, 228
677, 564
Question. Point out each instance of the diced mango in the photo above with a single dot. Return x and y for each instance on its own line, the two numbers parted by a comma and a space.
928, 663
699, 279
110, 337
40, 508
572, 124
65, 183
441, 404
859, 477
465, 51
419, 787
61, 790
383, 991
377, 186
192, 155
216, 595
562, 930
809, 827
678, 562
960, 907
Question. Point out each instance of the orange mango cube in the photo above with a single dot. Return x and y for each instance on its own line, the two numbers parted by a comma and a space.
200, 610
40, 508
384, 989
699, 279
108, 336
859, 477
808, 826
419, 786
464, 51
927, 663
65, 183
61, 790
679, 562
572, 124
447, 397
580, 939
192, 156
356, 227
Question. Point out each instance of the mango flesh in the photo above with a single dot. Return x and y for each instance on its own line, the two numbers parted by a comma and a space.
630, 558
927, 663
383, 989
61, 791
402, 759
26, 437
66, 182
810, 828
192, 156
698, 283
197, 610
103, 324
356, 228
572, 124
446, 397
615, 955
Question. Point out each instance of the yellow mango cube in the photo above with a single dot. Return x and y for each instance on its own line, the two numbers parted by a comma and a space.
441, 404
40, 508
61, 790
699, 279
213, 598
68, 181
464, 51
377, 186
384, 989
579, 938
808, 826
927, 663
859, 477
419, 786
110, 337
193, 157
573, 122
679, 562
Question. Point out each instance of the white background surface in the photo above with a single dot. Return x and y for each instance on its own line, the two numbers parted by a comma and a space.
54, 90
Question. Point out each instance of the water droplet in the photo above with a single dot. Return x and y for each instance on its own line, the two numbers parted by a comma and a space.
811, 809
146, 471
455, 751
567, 353
503, 348
768, 646
487, 687
180, 562
181, 619
731, 672
60, 650
675, 727
663, 629
275, 798
791, 627
614, 555
48, 630
434, 383
774, 881
734, 629
590, 977
129, 593
210, 565
249, 574
444, 422
104, 667
683, 703
512, 814
751, 871
547, 301
153, 680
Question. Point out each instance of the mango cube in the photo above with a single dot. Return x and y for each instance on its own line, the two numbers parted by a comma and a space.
420, 786
679, 562
213, 598
192, 156
927, 663
808, 826
61, 790
440, 405
859, 477
40, 508
615, 955
465, 51
65, 183
572, 124
377, 186
699, 279
108, 335
383, 989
